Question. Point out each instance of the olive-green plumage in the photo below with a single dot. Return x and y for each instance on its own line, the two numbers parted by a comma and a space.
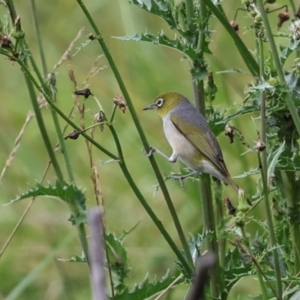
190, 137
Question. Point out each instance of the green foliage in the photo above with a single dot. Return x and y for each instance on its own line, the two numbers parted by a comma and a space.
147, 289
250, 241
68, 193
237, 267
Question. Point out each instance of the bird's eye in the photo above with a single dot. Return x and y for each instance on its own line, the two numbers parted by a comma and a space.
159, 102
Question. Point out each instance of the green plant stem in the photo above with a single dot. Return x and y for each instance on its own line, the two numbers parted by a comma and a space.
287, 96
216, 282
259, 274
126, 173
50, 102
11, 8
262, 161
292, 5
43, 130
189, 9
292, 204
52, 94
145, 204
220, 223
62, 145
245, 53
264, 168
38, 36
208, 210
140, 132
203, 22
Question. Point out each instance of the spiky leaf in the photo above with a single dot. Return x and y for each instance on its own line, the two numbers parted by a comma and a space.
159, 8
147, 289
69, 193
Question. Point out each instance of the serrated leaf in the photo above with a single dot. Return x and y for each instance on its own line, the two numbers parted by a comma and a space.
263, 87
66, 192
293, 82
159, 8
69, 193
76, 258
118, 261
231, 71
273, 163
163, 40
245, 109
237, 266
285, 52
147, 289
247, 173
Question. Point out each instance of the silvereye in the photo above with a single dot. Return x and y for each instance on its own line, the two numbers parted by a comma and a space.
190, 137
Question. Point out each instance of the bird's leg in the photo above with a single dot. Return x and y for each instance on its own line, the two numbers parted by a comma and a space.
172, 158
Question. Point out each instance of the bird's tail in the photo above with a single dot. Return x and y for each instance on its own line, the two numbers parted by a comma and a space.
233, 184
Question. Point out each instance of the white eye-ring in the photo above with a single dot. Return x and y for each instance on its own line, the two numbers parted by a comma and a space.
159, 102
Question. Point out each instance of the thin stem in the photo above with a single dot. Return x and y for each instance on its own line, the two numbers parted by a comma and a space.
140, 132
50, 102
287, 96
38, 36
113, 114
220, 223
264, 168
43, 130
216, 282
209, 224
292, 204
292, 5
189, 9
208, 214
259, 273
270, 226
245, 53
62, 144
52, 94
146, 206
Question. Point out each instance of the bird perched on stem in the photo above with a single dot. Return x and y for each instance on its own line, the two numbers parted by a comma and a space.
190, 137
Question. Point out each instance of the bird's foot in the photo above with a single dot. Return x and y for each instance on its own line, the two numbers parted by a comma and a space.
150, 152
181, 178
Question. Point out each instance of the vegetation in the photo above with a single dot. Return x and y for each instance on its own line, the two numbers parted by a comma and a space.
73, 130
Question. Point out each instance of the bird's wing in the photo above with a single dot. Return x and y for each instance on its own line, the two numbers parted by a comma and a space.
207, 145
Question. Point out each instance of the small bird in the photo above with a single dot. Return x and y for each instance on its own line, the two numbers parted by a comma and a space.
190, 137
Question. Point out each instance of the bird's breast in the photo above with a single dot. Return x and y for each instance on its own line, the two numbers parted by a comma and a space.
186, 152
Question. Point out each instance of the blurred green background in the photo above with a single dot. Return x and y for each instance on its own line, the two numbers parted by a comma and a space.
147, 70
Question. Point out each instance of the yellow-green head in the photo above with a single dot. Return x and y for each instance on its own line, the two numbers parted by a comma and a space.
165, 103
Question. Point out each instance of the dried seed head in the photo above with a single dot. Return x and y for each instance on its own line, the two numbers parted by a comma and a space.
73, 135
283, 16
99, 118
85, 92
120, 102
260, 145
5, 42
234, 25
295, 28
91, 37
229, 131
230, 208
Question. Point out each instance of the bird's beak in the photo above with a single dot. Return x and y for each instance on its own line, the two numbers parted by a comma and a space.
151, 106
